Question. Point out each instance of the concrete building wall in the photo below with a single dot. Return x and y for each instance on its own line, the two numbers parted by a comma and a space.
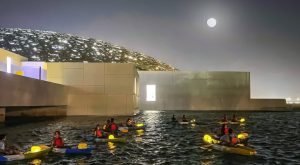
195, 90
22, 91
97, 88
267, 104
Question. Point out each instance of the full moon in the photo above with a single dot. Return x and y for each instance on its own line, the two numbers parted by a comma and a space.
211, 22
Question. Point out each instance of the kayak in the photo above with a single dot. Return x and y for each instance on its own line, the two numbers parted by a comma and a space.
223, 122
183, 122
115, 140
230, 122
234, 122
72, 151
241, 150
137, 126
242, 120
44, 150
238, 149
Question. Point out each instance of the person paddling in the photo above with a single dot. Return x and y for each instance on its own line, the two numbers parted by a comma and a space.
98, 132
224, 119
224, 129
230, 139
106, 127
57, 140
130, 122
234, 119
173, 118
113, 126
184, 119
4, 149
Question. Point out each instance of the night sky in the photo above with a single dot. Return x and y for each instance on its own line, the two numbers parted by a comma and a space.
260, 36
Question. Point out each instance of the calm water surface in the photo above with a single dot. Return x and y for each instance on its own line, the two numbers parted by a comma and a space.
275, 136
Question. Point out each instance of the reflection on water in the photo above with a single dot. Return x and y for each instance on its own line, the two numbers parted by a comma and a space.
275, 136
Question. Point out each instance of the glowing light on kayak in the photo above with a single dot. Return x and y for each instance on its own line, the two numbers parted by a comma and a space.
111, 137
139, 125
193, 120
82, 146
207, 138
243, 136
242, 120
35, 149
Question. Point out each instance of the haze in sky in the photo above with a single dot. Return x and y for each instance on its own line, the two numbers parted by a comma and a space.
259, 36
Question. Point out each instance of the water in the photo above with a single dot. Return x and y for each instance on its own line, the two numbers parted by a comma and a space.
275, 136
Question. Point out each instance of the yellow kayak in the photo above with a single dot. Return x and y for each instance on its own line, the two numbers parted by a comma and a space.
36, 152
44, 150
238, 149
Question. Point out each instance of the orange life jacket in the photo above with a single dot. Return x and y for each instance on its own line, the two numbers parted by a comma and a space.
234, 140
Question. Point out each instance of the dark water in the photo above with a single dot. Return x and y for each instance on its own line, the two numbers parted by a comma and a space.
275, 136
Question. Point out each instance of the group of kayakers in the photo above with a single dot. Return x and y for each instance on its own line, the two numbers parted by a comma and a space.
110, 127
183, 119
233, 119
227, 136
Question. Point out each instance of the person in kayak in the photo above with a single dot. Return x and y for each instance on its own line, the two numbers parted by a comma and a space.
4, 149
106, 126
98, 132
224, 129
234, 119
184, 119
113, 126
130, 122
173, 118
57, 140
224, 119
230, 139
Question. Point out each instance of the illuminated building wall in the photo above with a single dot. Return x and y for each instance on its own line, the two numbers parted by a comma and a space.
181, 90
97, 88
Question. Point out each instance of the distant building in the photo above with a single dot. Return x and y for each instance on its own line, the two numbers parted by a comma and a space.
182, 90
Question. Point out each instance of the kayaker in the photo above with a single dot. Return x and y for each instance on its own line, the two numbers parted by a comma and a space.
233, 138
5, 150
98, 132
184, 119
224, 119
230, 139
113, 126
57, 140
106, 126
234, 119
130, 122
173, 118
224, 129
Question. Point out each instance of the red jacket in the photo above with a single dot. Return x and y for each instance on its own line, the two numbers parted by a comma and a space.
113, 127
58, 142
